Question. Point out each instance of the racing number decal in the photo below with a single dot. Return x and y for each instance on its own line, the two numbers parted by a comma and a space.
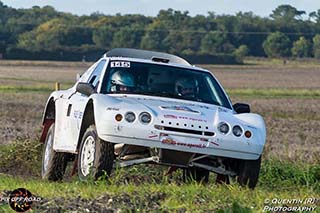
123, 64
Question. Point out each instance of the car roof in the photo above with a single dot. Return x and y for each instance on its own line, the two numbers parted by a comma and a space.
146, 54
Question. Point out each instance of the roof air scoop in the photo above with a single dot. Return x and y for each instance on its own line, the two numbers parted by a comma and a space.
161, 60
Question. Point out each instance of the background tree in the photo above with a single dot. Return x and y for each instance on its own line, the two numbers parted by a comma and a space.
45, 29
129, 37
316, 46
241, 52
277, 45
315, 16
214, 42
256, 28
103, 37
287, 13
288, 19
301, 48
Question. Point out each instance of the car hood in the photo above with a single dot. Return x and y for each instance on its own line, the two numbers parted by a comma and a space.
174, 109
176, 115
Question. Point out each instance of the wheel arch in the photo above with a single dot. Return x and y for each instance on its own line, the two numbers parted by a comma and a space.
48, 117
88, 119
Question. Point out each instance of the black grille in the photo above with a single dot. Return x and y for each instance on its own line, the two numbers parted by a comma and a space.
188, 131
209, 133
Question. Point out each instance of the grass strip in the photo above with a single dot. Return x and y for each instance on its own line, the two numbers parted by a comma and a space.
256, 93
278, 179
275, 93
191, 196
31, 89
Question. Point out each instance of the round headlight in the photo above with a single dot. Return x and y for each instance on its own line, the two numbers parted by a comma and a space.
223, 128
145, 118
130, 117
237, 131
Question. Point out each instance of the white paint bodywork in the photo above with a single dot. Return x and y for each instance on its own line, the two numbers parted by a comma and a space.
199, 117
206, 118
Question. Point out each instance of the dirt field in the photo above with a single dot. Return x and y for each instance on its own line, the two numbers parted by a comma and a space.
268, 76
292, 122
290, 166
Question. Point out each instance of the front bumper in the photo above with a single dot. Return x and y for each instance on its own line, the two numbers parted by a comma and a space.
184, 147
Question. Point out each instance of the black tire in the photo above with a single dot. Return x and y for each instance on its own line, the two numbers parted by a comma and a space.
103, 156
222, 179
197, 174
55, 163
249, 172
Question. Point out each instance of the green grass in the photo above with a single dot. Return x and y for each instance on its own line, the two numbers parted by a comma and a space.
278, 179
22, 154
192, 196
303, 63
255, 93
274, 93
41, 88
33, 80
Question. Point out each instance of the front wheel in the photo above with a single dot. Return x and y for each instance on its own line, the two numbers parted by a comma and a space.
95, 156
249, 172
53, 163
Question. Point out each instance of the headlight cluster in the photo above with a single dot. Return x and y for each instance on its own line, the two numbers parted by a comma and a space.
130, 117
145, 118
223, 128
237, 130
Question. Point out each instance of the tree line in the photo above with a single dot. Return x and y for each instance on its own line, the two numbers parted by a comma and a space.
287, 32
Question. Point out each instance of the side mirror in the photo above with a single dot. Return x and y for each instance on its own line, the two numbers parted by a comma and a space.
241, 108
85, 88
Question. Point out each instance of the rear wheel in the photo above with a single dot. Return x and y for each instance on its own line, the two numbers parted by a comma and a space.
249, 172
95, 156
53, 163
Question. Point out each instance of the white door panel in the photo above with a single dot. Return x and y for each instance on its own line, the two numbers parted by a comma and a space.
63, 140
79, 103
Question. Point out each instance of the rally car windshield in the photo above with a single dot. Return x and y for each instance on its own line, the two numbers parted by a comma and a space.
124, 77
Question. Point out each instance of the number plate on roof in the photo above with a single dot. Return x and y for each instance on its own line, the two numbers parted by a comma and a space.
125, 64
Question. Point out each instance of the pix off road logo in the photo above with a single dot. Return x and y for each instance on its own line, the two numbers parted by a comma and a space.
20, 200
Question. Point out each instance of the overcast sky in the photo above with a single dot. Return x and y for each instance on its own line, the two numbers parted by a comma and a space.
152, 7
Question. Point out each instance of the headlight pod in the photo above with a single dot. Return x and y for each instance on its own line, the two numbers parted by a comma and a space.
130, 117
145, 118
223, 127
237, 131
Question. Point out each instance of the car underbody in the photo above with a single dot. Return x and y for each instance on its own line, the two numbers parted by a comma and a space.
128, 155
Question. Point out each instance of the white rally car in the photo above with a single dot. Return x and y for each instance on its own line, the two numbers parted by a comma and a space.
135, 106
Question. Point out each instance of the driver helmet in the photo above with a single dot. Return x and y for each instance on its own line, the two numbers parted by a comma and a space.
186, 87
122, 81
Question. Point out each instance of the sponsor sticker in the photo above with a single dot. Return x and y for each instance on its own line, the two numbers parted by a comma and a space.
113, 109
184, 118
170, 116
170, 141
179, 108
77, 114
